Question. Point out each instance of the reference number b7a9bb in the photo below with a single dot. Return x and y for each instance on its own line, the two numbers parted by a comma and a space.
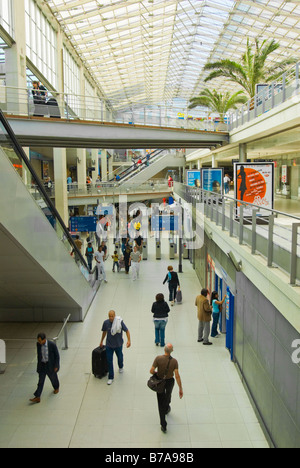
171, 457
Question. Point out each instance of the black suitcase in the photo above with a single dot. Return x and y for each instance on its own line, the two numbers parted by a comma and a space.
99, 363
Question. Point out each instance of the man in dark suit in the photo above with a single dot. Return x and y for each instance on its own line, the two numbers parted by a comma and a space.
48, 365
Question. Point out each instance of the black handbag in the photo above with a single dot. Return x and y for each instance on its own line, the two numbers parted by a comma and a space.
158, 385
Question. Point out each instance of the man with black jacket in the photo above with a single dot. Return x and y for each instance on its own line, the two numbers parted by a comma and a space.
48, 365
173, 282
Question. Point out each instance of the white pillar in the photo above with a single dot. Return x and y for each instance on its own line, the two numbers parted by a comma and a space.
243, 152
60, 179
81, 167
15, 63
214, 162
104, 165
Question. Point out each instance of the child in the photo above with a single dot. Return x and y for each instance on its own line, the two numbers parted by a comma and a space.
115, 258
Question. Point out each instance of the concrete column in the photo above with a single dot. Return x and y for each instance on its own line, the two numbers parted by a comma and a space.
214, 162
243, 152
199, 164
60, 179
104, 165
81, 167
110, 166
94, 154
15, 63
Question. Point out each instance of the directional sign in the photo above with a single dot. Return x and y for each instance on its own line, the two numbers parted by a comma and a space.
83, 224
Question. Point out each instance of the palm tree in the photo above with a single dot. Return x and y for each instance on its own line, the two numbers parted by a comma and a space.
252, 69
217, 102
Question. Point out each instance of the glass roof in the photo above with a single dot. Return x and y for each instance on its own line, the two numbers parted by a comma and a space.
154, 51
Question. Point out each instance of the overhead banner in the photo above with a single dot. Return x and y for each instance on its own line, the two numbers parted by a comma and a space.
213, 180
193, 178
254, 183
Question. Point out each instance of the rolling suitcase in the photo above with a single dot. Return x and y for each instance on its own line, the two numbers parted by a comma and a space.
99, 362
179, 297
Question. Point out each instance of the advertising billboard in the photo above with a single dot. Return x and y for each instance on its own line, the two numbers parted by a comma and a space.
254, 183
213, 180
193, 178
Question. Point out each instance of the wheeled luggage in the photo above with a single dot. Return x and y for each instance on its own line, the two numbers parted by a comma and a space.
122, 263
99, 362
179, 297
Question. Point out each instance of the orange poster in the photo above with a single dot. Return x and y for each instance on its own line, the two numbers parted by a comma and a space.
254, 184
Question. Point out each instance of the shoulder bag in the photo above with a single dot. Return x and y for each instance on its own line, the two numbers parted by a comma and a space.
156, 384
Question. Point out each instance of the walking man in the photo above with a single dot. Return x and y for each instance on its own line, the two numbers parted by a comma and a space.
100, 257
48, 365
113, 328
135, 260
162, 364
204, 317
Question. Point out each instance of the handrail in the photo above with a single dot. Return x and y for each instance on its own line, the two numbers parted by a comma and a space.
41, 188
135, 169
266, 99
285, 255
19, 101
63, 329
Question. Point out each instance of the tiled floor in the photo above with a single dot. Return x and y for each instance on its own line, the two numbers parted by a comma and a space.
214, 412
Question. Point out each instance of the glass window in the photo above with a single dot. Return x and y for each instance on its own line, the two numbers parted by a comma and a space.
40, 40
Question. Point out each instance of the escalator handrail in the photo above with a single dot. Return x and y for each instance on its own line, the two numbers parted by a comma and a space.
133, 169
18, 148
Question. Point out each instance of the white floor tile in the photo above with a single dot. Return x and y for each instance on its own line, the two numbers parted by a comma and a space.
215, 411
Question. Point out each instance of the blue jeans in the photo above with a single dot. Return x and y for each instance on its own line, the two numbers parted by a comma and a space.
160, 326
109, 355
214, 328
172, 292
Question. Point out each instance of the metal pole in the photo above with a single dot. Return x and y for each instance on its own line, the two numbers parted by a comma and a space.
231, 219
254, 213
270, 240
241, 236
293, 276
180, 243
223, 215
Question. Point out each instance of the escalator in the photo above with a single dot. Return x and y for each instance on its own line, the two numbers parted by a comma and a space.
148, 168
39, 279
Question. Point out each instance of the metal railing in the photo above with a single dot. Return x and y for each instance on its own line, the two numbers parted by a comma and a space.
271, 96
279, 244
21, 102
64, 331
106, 188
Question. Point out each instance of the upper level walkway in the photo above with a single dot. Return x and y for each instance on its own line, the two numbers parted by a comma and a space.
49, 132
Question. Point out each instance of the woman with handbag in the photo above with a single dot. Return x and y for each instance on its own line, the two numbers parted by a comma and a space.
160, 310
166, 368
173, 282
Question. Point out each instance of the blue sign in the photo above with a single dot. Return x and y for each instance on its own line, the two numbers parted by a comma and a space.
83, 224
212, 180
193, 178
165, 223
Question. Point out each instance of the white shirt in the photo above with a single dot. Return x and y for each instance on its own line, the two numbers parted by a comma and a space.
99, 257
